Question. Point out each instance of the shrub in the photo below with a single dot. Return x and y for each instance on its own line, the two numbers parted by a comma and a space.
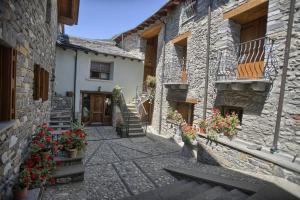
175, 116
116, 93
151, 81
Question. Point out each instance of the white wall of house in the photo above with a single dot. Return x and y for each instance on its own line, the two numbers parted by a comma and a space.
127, 73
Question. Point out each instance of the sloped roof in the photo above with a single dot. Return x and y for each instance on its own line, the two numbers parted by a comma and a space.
163, 11
106, 47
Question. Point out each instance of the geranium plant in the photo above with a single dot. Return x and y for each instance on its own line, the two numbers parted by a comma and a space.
202, 125
174, 115
24, 179
230, 124
42, 139
188, 133
215, 124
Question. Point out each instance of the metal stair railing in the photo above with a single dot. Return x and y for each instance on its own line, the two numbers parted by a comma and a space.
125, 112
140, 99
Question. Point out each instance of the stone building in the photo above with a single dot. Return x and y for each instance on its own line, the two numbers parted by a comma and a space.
28, 33
174, 42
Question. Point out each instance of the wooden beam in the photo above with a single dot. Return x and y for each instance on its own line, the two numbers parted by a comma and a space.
243, 8
181, 39
152, 31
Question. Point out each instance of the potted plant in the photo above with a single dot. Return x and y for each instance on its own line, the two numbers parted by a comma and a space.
175, 116
116, 93
215, 124
21, 188
188, 134
151, 82
230, 125
42, 141
202, 126
72, 142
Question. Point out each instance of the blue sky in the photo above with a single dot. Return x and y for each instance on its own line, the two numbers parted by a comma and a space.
102, 19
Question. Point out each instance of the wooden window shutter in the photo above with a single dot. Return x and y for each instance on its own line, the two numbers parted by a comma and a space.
42, 77
46, 85
8, 58
36, 89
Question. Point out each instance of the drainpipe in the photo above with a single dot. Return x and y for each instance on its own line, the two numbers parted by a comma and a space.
283, 79
162, 77
207, 60
75, 78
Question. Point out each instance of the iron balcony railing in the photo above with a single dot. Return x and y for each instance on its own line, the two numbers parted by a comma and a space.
251, 60
177, 72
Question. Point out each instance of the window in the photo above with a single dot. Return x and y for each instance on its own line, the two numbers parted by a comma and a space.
8, 58
41, 83
190, 9
230, 110
100, 70
48, 11
187, 111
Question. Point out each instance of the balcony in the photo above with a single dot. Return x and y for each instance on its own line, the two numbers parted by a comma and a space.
251, 64
176, 75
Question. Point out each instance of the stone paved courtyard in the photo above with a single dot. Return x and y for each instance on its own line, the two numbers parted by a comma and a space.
119, 167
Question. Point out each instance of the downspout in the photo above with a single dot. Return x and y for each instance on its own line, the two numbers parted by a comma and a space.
75, 78
283, 78
207, 60
162, 77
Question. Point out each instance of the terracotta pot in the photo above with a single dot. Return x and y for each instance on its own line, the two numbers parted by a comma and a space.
72, 153
202, 130
20, 194
44, 153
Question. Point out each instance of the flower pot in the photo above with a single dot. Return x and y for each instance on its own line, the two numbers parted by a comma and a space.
202, 130
20, 194
72, 153
45, 153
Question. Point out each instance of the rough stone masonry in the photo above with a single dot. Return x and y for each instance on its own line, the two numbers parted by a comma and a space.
31, 28
259, 108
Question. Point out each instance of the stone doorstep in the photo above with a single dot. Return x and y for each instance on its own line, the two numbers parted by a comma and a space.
65, 161
68, 174
139, 134
34, 194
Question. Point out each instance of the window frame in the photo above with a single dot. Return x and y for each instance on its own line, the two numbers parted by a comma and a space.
41, 83
188, 5
109, 74
8, 61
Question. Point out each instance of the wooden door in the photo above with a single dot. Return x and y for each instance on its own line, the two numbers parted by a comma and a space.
253, 66
150, 57
97, 108
187, 111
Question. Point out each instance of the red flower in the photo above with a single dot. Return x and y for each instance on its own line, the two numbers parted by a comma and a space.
48, 139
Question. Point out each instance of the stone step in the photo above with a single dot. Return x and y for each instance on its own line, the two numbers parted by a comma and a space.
65, 161
34, 194
135, 130
210, 194
68, 174
190, 192
59, 127
135, 125
155, 194
59, 123
140, 134
233, 195
63, 118
178, 192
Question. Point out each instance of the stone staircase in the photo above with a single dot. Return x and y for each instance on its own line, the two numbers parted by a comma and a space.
68, 169
61, 113
134, 122
194, 184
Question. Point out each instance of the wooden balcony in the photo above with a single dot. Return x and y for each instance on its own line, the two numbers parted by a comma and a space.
247, 65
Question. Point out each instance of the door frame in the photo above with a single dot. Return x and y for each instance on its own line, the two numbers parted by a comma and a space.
106, 120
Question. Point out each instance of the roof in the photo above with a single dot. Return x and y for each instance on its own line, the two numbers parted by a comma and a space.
106, 47
163, 11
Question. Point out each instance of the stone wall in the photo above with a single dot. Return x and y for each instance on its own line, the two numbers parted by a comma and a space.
25, 27
259, 108
220, 154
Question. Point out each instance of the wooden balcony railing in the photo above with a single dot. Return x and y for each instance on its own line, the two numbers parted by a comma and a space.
251, 60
